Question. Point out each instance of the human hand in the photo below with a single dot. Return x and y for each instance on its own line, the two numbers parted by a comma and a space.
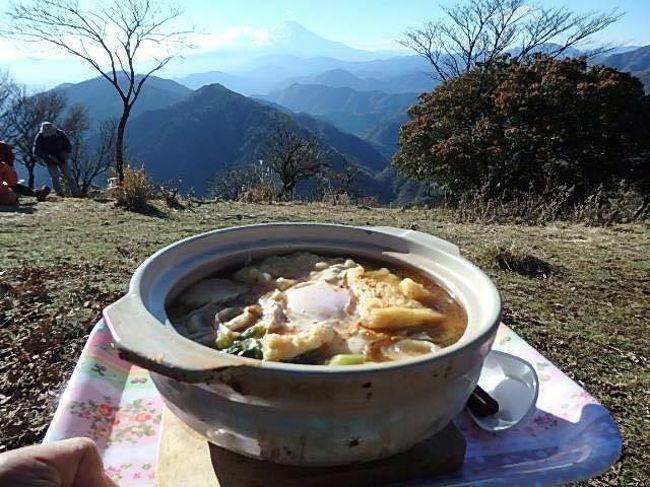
74, 462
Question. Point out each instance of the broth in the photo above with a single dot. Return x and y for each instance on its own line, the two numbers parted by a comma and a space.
315, 309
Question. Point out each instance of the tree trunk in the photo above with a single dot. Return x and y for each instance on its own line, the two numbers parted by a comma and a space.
287, 191
119, 144
30, 174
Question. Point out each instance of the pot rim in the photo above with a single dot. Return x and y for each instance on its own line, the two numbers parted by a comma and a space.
208, 353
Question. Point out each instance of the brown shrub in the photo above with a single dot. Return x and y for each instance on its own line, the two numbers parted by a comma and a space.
336, 198
260, 193
135, 191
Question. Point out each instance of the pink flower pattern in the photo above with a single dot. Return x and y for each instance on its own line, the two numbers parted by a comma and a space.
118, 406
126, 423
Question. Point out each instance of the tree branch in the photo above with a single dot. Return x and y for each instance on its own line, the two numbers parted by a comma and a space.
482, 31
107, 38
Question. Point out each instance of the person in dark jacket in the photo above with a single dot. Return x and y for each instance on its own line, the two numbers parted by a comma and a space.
53, 146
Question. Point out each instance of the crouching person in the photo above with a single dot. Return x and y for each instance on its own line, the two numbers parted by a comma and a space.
9, 187
7, 195
53, 146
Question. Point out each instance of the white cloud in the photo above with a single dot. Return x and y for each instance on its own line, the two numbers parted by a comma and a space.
13, 51
238, 36
241, 36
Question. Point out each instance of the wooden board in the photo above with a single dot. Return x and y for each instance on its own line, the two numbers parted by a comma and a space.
186, 459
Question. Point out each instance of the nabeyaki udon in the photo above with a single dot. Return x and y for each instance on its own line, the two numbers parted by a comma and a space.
314, 309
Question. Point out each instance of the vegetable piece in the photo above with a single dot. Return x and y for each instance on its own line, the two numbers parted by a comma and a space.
422, 336
408, 348
251, 348
223, 341
396, 317
415, 347
252, 275
227, 314
283, 284
274, 318
348, 359
250, 315
279, 348
255, 331
414, 290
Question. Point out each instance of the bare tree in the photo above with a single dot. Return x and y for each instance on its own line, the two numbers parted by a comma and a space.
87, 164
23, 118
6, 88
111, 38
293, 158
231, 183
76, 124
334, 185
9, 90
479, 32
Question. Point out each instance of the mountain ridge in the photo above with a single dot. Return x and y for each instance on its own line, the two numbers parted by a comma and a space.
353, 111
408, 73
637, 60
105, 103
228, 129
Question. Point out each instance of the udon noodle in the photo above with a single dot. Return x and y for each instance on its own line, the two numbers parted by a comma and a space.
312, 309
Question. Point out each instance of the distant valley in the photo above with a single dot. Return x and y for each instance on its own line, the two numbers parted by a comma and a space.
357, 112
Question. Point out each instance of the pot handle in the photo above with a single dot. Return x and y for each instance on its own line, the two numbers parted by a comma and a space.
421, 237
140, 338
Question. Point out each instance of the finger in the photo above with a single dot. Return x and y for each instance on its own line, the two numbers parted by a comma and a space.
20, 469
78, 461
69, 463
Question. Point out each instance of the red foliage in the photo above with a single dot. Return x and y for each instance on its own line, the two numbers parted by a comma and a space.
525, 128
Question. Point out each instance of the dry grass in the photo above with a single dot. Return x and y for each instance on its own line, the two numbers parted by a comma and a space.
65, 259
600, 208
259, 193
135, 191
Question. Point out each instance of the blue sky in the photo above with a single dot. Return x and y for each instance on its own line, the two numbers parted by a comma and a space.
375, 24
235, 24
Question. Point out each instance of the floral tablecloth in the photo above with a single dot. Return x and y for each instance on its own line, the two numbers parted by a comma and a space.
569, 437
